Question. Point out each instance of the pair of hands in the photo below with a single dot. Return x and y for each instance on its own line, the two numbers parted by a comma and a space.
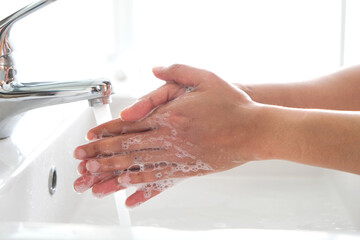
195, 124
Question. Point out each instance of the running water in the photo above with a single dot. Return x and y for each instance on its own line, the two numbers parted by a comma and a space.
103, 114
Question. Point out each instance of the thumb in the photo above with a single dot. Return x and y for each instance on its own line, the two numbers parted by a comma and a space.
182, 74
178, 77
149, 102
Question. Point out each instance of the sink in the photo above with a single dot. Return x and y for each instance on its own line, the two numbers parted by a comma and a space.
269, 198
39, 146
31, 231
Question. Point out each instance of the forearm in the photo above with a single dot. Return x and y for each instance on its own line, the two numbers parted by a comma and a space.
337, 91
329, 139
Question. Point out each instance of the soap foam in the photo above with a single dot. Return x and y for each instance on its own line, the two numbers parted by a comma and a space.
163, 184
158, 186
106, 154
105, 133
131, 141
138, 160
181, 153
189, 89
191, 168
142, 164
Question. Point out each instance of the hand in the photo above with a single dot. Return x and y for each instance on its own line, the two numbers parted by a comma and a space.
207, 130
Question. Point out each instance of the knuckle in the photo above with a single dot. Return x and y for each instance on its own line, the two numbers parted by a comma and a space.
136, 177
152, 102
94, 148
175, 67
179, 121
111, 163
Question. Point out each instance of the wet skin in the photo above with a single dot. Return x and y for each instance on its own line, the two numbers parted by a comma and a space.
172, 133
172, 141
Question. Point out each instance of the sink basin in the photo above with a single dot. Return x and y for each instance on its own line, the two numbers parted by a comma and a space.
42, 144
270, 198
86, 232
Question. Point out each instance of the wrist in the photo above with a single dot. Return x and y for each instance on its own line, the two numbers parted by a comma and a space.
275, 129
287, 95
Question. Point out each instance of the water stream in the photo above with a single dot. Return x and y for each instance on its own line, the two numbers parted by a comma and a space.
103, 114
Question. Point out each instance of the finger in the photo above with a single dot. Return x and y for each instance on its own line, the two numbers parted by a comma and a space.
162, 175
148, 191
86, 181
111, 186
117, 127
178, 77
120, 144
146, 160
82, 167
105, 188
139, 197
146, 104
183, 75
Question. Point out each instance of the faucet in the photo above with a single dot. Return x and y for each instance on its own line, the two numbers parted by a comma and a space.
16, 98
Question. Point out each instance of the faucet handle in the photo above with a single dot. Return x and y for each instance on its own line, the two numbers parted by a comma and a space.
6, 24
7, 65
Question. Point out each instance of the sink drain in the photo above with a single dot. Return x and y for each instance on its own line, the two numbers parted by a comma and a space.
52, 180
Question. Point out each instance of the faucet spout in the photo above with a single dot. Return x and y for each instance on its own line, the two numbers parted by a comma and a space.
16, 98
19, 98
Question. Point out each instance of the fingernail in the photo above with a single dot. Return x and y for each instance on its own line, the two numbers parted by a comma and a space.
90, 136
81, 169
158, 69
102, 194
121, 115
80, 188
132, 207
92, 165
124, 180
80, 153
84, 183
124, 110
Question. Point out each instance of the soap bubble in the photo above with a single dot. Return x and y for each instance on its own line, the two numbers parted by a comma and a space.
105, 133
189, 89
186, 168
131, 141
137, 160
181, 153
158, 186
158, 175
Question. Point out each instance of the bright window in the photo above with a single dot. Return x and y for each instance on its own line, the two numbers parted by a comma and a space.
66, 40
352, 32
240, 40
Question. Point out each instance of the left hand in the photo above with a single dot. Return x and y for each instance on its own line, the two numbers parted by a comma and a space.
207, 130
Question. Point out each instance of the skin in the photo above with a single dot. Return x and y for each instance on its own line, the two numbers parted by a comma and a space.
336, 91
170, 134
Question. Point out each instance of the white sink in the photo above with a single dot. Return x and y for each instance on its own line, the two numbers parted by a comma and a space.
267, 197
49, 142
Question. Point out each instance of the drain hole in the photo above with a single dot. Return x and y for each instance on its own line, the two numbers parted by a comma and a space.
52, 180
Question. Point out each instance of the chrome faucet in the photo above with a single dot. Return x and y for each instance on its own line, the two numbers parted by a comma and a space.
16, 98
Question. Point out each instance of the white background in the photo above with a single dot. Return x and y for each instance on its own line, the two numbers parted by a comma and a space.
249, 41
